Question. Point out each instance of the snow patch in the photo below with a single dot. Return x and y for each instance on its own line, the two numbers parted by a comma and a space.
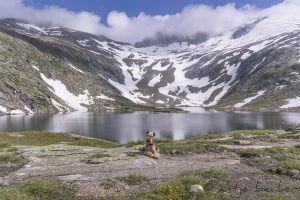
17, 112
30, 27
245, 55
83, 42
155, 80
2, 109
160, 102
255, 67
59, 107
103, 97
249, 99
60, 90
55, 33
28, 110
292, 103
35, 67
73, 67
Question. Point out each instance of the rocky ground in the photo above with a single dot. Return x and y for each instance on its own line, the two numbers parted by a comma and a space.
236, 165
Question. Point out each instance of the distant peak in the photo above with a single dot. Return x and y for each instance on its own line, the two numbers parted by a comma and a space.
162, 40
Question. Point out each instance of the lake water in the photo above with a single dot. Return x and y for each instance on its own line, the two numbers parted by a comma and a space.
132, 126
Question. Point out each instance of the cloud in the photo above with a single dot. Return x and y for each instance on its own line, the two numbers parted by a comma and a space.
84, 21
191, 20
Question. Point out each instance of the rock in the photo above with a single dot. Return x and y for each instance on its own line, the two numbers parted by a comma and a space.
272, 135
197, 189
20, 174
92, 162
246, 135
244, 179
273, 170
242, 142
16, 135
174, 152
294, 172
281, 132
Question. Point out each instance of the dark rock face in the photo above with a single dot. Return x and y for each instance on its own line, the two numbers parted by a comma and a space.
162, 40
244, 30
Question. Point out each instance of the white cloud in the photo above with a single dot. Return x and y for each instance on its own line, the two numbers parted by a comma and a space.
191, 20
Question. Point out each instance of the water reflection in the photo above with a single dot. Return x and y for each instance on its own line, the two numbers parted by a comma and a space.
125, 127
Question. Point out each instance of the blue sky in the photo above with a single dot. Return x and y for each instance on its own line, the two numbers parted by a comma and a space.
134, 7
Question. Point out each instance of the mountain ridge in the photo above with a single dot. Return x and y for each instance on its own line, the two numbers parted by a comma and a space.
250, 68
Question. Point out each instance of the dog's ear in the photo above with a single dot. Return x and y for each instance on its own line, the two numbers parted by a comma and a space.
153, 134
148, 132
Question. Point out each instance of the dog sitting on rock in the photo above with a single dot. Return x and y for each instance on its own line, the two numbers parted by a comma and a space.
150, 149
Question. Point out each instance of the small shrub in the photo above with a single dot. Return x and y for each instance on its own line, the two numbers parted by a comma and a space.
4, 145
38, 189
99, 155
248, 153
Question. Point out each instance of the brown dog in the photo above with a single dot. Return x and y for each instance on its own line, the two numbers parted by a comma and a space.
150, 149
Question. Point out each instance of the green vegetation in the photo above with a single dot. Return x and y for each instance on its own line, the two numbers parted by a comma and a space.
248, 153
256, 134
136, 107
290, 135
176, 190
3, 145
283, 159
220, 180
133, 179
99, 155
193, 145
9, 155
38, 189
180, 189
45, 190
47, 138
185, 147
273, 196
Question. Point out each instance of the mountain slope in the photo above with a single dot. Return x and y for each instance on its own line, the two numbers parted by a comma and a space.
51, 76
254, 67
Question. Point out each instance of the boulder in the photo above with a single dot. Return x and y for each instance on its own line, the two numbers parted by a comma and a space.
242, 142
246, 135
197, 189
294, 172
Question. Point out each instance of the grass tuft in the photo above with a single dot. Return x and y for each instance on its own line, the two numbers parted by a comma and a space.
133, 179
38, 189
47, 138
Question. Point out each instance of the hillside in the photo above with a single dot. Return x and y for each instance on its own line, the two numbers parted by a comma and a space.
51, 69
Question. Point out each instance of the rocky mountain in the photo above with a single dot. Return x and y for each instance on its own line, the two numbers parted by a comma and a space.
49, 69
162, 40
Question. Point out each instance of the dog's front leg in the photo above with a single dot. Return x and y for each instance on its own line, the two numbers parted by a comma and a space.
155, 154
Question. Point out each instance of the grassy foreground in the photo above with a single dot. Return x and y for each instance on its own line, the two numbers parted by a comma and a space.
218, 183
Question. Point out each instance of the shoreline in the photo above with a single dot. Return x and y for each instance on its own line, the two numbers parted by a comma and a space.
159, 109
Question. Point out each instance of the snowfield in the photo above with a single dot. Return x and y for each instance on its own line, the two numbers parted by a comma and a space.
249, 99
3, 110
104, 97
17, 112
61, 91
292, 103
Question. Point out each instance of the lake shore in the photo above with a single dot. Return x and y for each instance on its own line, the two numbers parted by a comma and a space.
246, 164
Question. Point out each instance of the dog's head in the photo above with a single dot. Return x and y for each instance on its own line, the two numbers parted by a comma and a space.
150, 137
